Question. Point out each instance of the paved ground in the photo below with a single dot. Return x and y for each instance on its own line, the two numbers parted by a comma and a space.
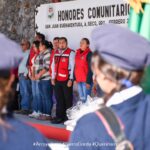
25, 118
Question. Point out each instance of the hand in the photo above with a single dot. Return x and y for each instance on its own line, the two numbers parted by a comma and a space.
53, 81
69, 84
88, 86
37, 77
75, 82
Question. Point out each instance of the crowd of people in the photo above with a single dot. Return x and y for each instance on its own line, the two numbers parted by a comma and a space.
47, 74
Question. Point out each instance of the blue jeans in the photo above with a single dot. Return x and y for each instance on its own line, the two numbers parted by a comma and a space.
83, 91
46, 92
25, 92
37, 100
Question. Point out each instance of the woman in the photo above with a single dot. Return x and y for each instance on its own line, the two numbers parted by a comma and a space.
37, 103
83, 74
42, 75
118, 72
14, 134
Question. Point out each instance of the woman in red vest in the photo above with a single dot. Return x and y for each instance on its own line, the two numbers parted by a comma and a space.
83, 73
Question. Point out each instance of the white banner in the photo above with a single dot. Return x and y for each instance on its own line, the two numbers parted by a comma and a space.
76, 19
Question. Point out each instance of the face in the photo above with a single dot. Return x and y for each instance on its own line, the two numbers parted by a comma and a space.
35, 48
103, 81
62, 44
56, 44
24, 45
83, 45
42, 47
37, 38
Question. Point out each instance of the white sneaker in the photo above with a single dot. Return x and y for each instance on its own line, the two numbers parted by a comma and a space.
34, 114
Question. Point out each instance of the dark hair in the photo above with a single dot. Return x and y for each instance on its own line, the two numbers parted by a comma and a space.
117, 74
46, 44
63, 38
87, 40
50, 45
56, 38
41, 36
37, 44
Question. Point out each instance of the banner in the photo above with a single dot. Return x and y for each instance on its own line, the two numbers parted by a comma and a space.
77, 19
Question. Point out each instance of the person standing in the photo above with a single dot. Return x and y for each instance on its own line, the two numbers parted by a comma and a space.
36, 103
24, 81
42, 63
63, 79
83, 73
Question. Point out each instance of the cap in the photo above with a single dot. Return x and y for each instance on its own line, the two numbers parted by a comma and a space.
121, 47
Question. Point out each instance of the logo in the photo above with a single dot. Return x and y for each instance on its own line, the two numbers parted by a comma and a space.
63, 60
50, 12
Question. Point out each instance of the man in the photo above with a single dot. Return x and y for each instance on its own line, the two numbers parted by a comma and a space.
24, 81
63, 79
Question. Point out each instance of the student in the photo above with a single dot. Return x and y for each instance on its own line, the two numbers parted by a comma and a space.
63, 79
118, 66
14, 134
83, 73
42, 63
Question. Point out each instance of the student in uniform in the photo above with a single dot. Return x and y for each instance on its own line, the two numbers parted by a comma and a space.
14, 134
63, 79
118, 66
82, 72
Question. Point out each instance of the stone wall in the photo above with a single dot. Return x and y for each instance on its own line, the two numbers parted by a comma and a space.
17, 18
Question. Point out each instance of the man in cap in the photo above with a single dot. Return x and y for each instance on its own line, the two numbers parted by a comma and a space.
117, 65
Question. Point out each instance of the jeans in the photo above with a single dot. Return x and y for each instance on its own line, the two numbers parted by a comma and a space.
83, 91
46, 90
25, 92
37, 100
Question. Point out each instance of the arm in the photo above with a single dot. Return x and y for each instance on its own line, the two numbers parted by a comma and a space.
71, 68
90, 74
53, 69
72, 64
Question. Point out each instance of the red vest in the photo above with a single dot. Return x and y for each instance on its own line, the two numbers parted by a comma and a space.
62, 64
81, 65
51, 60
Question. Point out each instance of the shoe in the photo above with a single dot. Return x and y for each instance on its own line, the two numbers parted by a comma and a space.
44, 117
57, 121
35, 114
23, 112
